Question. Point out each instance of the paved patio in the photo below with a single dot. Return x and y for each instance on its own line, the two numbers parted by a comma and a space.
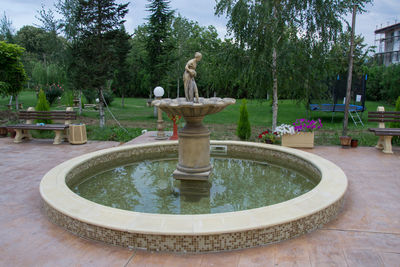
366, 233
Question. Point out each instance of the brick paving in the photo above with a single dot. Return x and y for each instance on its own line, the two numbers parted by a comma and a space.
366, 233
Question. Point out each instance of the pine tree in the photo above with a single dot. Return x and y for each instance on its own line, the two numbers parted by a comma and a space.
244, 128
42, 105
158, 44
122, 74
97, 23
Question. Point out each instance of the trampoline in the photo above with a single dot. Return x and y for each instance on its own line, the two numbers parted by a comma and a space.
340, 108
338, 92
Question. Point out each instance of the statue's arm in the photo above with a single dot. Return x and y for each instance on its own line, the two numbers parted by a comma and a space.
190, 68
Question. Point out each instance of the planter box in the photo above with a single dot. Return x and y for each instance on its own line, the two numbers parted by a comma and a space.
77, 134
302, 139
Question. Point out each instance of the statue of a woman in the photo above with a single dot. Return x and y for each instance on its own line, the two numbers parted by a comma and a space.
188, 78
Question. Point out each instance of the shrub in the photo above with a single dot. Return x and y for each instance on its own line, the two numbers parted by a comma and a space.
108, 97
396, 139
68, 98
53, 92
90, 95
42, 105
243, 129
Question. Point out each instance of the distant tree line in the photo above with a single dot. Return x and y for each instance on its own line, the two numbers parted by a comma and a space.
290, 51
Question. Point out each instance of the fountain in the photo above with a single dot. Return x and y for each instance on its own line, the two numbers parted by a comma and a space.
239, 226
194, 138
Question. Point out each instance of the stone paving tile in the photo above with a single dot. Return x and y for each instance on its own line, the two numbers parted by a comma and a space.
365, 233
363, 258
391, 259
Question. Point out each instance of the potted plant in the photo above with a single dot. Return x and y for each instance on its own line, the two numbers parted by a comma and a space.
345, 141
268, 137
301, 134
354, 143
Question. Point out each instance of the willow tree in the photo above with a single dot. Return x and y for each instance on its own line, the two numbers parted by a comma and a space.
261, 26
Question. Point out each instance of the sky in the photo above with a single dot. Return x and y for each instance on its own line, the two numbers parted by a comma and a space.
379, 14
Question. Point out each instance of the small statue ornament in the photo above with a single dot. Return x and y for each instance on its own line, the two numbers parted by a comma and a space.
189, 83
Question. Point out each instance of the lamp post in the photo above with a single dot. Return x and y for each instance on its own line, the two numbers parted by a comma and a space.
158, 93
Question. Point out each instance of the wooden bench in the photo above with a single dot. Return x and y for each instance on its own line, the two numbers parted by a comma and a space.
30, 115
385, 134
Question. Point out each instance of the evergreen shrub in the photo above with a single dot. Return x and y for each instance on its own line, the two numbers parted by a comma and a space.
42, 105
244, 128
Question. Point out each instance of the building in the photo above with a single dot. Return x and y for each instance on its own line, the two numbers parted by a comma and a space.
388, 39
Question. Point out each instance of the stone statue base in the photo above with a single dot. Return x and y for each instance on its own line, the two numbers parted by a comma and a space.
194, 151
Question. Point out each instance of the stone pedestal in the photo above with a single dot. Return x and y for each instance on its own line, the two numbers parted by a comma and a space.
194, 151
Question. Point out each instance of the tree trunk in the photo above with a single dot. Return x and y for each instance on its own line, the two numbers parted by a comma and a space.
122, 100
16, 103
274, 91
102, 120
80, 101
350, 74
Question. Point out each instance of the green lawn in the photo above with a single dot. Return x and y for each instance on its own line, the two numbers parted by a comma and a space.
136, 115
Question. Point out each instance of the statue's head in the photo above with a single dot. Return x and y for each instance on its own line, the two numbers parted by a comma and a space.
198, 56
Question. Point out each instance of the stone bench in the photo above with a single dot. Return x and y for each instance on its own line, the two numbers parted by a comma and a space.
385, 134
30, 115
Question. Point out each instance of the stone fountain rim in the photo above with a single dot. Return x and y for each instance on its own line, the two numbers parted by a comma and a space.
55, 193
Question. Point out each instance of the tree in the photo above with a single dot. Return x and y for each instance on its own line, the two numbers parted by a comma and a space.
122, 74
158, 43
262, 27
97, 22
42, 105
137, 61
6, 29
12, 72
244, 129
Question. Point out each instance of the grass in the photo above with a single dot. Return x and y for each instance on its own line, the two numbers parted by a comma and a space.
136, 115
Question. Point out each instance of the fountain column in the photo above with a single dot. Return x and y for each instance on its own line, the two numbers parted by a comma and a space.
194, 151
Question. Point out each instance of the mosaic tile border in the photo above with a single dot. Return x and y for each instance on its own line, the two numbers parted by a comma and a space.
228, 231
196, 243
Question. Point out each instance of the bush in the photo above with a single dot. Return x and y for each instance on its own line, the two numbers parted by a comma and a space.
90, 95
391, 83
396, 139
68, 98
383, 82
113, 133
42, 105
53, 92
244, 129
108, 97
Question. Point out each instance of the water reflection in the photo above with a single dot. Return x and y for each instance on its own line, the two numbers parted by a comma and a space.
235, 184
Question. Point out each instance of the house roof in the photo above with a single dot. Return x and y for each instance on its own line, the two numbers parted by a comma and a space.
388, 28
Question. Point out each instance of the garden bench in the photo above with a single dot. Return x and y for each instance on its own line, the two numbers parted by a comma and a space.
22, 130
385, 134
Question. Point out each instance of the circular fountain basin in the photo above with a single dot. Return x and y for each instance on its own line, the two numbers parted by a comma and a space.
192, 233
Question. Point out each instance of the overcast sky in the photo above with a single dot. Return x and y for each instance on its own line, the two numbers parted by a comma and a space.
22, 12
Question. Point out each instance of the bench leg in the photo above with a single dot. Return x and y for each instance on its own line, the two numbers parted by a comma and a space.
387, 145
18, 136
65, 135
26, 134
380, 143
58, 137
